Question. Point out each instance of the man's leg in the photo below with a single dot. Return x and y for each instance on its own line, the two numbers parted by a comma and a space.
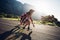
28, 26
24, 26
21, 22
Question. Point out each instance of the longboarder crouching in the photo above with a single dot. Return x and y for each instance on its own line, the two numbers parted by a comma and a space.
26, 19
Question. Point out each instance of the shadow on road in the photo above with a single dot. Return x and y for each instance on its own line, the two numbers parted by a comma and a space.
19, 34
25, 36
4, 35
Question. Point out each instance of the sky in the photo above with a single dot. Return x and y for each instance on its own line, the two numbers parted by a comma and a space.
49, 7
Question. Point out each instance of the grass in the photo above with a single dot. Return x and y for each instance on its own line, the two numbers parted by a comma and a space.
11, 18
35, 22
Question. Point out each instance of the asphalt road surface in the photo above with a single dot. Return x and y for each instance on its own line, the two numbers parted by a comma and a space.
39, 32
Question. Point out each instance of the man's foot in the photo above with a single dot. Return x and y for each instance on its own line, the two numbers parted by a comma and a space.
28, 29
23, 27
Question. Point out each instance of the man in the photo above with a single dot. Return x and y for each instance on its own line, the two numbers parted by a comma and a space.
26, 19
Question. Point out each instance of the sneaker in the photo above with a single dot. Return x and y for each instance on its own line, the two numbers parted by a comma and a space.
23, 27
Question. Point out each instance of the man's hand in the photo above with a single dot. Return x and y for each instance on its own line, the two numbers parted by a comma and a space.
33, 25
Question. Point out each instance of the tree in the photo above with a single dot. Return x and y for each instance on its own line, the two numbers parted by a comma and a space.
49, 18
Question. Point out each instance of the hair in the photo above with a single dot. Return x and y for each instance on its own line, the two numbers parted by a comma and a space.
32, 10
29, 12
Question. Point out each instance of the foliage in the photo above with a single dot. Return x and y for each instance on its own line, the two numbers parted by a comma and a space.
2, 15
49, 18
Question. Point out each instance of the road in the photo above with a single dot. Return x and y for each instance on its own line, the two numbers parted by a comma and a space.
39, 32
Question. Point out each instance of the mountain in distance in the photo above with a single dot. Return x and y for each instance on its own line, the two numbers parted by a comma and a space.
17, 8
11, 7
27, 7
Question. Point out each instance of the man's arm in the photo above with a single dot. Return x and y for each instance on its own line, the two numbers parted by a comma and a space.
32, 22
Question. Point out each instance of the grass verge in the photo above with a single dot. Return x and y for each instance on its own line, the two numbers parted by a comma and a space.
11, 18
